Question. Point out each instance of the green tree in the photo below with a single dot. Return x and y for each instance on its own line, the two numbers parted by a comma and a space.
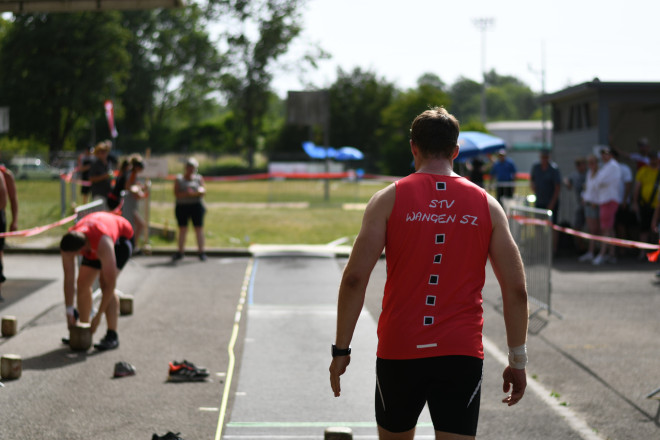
465, 100
57, 69
395, 156
175, 70
260, 33
357, 100
508, 98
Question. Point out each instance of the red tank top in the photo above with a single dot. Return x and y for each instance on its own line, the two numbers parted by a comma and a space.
438, 236
98, 224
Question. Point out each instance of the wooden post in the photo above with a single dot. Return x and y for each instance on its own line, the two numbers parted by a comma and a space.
9, 325
11, 366
125, 305
80, 337
338, 433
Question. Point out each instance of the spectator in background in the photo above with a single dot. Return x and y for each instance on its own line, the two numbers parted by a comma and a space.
7, 192
626, 221
591, 208
645, 199
545, 181
477, 172
504, 173
576, 182
100, 173
84, 163
189, 192
641, 157
116, 195
608, 187
135, 191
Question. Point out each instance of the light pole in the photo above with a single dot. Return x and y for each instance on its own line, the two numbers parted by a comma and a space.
483, 24
543, 106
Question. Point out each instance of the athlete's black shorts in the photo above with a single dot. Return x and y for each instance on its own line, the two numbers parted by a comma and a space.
450, 385
123, 251
184, 213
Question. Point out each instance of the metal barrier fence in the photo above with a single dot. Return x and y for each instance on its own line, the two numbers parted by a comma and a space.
532, 230
94, 206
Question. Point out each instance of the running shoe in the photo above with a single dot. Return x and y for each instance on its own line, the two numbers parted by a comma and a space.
203, 257
107, 344
168, 436
186, 372
187, 364
177, 256
123, 369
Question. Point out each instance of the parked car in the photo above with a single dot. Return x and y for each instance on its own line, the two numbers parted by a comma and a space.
32, 168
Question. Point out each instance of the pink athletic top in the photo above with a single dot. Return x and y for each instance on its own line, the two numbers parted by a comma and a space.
97, 224
438, 236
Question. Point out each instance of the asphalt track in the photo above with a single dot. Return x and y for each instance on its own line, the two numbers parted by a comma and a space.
263, 325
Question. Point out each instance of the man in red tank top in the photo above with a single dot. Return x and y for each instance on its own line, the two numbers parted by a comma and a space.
438, 231
104, 241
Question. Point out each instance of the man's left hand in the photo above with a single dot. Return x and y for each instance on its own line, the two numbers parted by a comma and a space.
515, 380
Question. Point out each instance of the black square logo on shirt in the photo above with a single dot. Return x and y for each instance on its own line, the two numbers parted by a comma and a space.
430, 300
428, 320
440, 186
439, 238
434, 279
437, 259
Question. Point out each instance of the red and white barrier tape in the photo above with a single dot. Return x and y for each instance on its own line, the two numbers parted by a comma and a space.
38, 229
609, 240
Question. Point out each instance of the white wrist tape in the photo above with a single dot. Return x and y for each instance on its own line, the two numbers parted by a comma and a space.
518, 357
69, 310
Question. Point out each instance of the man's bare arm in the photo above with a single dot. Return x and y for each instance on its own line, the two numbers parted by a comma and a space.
69, 268
366, 251
508, 267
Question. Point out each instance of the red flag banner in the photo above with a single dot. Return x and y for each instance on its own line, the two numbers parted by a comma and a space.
110, 116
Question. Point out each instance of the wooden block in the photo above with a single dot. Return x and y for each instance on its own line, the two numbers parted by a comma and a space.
11, 366
9, 326
338, 433
125, 305
80, 337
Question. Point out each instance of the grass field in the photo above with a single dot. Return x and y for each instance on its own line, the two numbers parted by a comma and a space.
238, 213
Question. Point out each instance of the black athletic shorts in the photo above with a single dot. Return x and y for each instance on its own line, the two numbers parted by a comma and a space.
185, 213
450, 385
123, 251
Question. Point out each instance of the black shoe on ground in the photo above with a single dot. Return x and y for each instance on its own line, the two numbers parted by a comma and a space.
107, 344
168, 436
203, 257
177, 256
186, 372
123, 369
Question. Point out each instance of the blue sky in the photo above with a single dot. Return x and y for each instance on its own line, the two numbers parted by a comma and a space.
572, 41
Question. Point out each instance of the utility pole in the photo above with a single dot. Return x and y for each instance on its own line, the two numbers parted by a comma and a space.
543, 106
483, 24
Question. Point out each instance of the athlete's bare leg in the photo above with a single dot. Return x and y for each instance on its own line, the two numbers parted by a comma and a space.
384, 434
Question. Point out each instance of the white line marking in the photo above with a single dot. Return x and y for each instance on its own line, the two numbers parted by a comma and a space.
574, 421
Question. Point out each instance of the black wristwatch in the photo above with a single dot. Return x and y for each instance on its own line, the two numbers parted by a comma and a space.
340, 351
